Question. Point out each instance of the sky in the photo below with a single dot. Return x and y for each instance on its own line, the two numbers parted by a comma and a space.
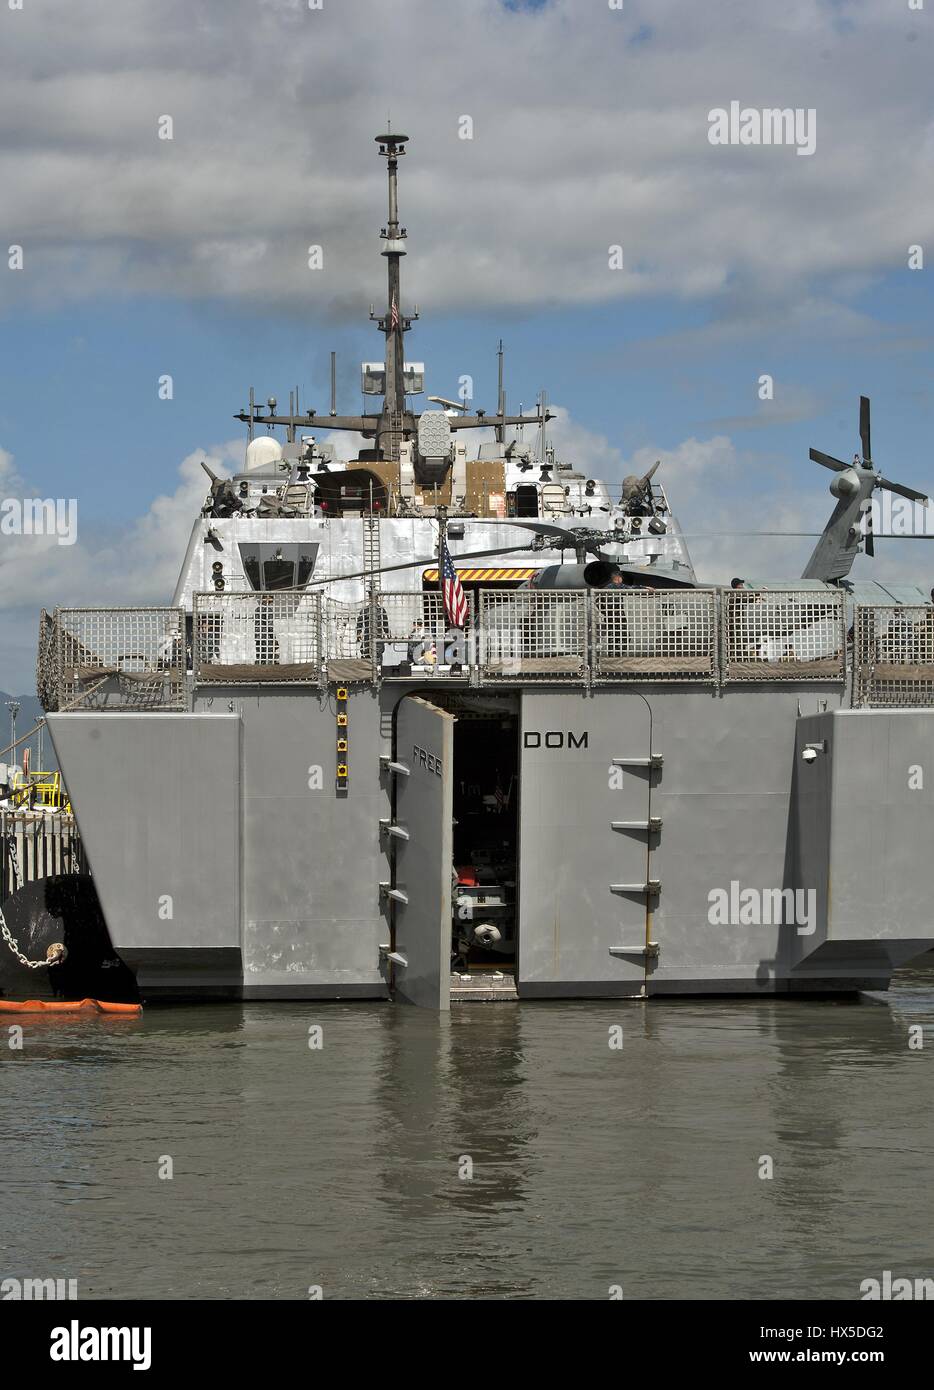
542, 136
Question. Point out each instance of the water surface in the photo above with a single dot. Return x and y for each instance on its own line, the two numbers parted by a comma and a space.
592, 1167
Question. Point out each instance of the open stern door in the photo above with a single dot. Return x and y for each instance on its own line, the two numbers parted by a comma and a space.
421, 848
587, 838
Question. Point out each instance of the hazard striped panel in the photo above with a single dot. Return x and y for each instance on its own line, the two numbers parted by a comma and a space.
472, 576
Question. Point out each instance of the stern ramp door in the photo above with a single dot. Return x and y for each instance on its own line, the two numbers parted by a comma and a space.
421, 853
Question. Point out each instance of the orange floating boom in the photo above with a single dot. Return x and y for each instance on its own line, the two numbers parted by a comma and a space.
66, 1006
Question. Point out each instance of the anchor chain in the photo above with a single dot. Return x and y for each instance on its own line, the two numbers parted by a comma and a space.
55, 955
18, 880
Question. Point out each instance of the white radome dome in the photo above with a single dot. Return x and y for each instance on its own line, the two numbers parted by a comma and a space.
261, 452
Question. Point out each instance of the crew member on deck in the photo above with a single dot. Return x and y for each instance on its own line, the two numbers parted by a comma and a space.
381, 632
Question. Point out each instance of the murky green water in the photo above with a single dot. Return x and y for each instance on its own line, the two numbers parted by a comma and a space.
592, 1167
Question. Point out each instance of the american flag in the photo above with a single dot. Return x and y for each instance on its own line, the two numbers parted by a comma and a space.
455, 601
394, 314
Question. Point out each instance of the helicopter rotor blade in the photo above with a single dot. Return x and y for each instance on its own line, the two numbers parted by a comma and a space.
864, 431
870, 548
541, 528
911, 493
588, 538
414, 564
708, 535
827, 460
796, 535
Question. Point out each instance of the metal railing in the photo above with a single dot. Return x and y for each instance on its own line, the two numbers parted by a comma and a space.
47, 675
44, 790
289, 635
408, 634
663, 634
528, 635
393, 636
269, 637
783, 634
112, 658
123, 658
893, 656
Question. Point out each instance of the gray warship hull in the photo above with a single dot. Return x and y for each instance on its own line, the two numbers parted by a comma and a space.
670, 840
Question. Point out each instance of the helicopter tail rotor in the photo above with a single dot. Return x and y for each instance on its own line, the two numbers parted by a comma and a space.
827, 460
852, 520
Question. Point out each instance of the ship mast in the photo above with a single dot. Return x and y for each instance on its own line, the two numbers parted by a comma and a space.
393, 424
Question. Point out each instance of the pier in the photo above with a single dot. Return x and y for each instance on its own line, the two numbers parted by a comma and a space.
36, 845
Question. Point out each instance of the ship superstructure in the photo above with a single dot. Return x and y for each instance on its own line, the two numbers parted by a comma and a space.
299, 515
302, 778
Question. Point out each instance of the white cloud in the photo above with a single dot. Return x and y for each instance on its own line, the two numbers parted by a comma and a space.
590, 452
791, 403
693, 466
345, 443
10, 481
590, 129
138, 565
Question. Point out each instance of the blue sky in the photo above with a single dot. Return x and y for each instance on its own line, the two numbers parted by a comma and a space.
80, 406
588, 129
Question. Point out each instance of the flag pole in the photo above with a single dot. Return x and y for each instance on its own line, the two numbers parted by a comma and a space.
441, 512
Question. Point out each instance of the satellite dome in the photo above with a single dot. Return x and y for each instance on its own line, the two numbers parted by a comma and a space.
262, 452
